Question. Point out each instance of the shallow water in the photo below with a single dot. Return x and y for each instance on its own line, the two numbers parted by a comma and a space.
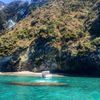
78, 89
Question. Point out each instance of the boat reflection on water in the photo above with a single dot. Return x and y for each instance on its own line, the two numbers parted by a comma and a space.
46, 80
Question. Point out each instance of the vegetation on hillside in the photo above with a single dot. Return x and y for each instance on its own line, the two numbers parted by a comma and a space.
68, 26
62, 19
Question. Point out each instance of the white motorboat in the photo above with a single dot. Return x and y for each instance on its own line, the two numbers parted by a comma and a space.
46, 74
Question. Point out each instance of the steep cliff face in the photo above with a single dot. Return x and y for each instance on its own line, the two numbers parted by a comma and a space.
92, 25
62, 35
93, 20
14, 11
2, 5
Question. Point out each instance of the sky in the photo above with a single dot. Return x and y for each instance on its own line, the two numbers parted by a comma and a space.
8, 1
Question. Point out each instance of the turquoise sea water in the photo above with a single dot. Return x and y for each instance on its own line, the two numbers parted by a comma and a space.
78, 89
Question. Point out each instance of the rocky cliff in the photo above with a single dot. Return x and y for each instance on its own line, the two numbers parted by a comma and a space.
62, 35
14, 11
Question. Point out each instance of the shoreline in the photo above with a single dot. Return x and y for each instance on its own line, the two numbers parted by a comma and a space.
26, 73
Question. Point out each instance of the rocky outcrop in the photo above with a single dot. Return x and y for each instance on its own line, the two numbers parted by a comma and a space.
8, 64
93, 21
14, 11
15, 62
2, 5
43, 55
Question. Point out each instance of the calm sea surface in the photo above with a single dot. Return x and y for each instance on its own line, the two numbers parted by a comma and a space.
78, 88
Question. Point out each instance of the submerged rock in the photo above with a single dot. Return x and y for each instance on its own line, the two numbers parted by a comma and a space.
37, 84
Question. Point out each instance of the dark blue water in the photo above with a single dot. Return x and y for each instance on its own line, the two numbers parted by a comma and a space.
77, 89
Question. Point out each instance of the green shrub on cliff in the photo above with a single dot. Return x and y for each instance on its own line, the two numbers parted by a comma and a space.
24, 34
85, 48
96, 41
70, 36
7, 46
